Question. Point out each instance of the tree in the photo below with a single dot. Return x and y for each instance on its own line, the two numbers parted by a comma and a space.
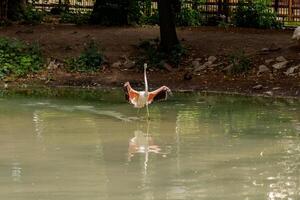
15, 9
3, 9
110, 12
167, 10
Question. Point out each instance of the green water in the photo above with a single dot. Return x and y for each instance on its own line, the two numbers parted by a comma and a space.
194, 147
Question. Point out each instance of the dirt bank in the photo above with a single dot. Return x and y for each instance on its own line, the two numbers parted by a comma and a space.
263, 46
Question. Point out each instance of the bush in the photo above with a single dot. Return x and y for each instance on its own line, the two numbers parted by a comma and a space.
151, 19
189, 17
240, 62
32, 16
256, 14
17, 58
90, 59
78, 17
151, 53
135, 12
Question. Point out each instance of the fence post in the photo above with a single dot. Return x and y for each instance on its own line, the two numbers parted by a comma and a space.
276, 6
290, 10
220, 7
3, 9
226, 9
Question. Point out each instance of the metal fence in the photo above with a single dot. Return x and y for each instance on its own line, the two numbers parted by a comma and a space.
73, 4
287, 10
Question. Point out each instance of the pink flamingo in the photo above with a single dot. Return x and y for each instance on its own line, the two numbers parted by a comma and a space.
141, 99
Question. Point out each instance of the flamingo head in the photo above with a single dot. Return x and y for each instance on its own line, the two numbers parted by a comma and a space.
126, 84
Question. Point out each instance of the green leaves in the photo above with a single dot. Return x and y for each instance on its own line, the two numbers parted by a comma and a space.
256, 14
17, 58
90, 59
189, 17
240, 62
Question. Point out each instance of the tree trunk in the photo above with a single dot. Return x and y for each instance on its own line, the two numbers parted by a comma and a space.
168, 36
15, 9
3, 9
110, 12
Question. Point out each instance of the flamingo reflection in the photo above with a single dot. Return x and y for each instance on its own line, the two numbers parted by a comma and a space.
142, 143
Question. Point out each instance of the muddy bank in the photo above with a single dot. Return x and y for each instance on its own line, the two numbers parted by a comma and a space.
278, 77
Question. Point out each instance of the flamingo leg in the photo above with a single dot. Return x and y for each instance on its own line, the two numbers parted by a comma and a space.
148, 114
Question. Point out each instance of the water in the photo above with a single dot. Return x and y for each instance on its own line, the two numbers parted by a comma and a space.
194, 147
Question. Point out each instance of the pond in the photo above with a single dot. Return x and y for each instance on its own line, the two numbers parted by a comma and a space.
195, 146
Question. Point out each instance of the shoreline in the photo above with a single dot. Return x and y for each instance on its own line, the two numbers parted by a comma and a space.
30, 89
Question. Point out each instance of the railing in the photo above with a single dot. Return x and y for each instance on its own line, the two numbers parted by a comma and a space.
73, 4
287, 10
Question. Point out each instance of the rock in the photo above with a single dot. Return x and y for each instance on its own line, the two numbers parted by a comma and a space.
257, 87
204, 66
167, 67
208, 63
187, 76
201, 67
228, 68
290, 71
196, 63
53, 65
269, 61
280, 59
216, 65
280, 65
129, 64
116, 64
265, 49
262, 69
269, 93
211, 59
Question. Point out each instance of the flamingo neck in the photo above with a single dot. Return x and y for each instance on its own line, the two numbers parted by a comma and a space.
146, 82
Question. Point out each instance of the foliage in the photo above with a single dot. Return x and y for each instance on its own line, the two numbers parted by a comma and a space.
5, 23
151, 19
151, 53
77, 17
32, 16
17, 58
189, 17
255, 14
110, 12
90, 59
135, 12
240, 62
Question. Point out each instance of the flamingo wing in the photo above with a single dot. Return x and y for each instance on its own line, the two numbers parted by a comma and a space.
131, 95
159, 95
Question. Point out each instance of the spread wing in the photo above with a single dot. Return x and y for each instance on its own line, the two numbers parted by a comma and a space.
159, 95
131, 95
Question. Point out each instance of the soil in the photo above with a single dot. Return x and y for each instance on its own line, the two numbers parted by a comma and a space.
65, 41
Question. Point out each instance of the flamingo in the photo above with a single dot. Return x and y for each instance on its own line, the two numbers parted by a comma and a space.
141, 99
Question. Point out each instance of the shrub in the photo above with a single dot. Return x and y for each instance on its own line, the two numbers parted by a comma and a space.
255, 14
188, 17
17, 58
90, 59
151, 19
32, 16
77, 17
240, 62
151, 53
